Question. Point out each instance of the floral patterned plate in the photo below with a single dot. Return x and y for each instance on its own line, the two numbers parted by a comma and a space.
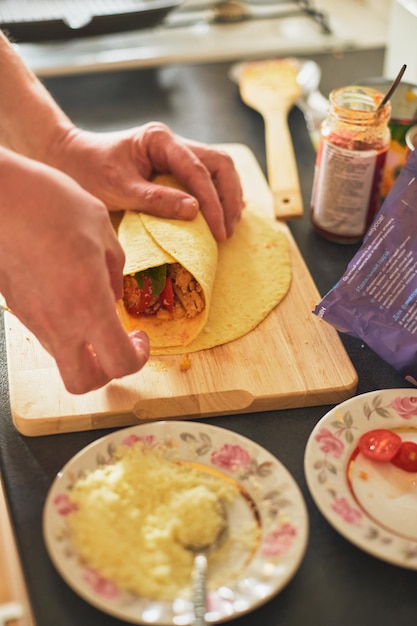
372, 504
271, 495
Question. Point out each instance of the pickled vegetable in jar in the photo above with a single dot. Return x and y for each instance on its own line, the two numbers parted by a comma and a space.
350, 161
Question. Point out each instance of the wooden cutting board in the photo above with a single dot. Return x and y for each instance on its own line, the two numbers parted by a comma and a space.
292, 359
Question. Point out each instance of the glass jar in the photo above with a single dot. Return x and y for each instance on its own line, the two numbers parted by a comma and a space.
350, 161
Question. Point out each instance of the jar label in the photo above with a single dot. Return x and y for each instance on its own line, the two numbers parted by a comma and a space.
344, 189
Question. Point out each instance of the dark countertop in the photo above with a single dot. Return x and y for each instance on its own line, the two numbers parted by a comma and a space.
336, 583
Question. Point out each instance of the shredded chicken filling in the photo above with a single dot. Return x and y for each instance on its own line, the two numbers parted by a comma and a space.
188, 296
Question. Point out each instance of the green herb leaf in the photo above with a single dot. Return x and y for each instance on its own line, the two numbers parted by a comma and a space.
139, 279
158, 277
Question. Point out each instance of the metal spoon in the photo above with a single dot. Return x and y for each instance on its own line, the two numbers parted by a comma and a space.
391, 90
199, 572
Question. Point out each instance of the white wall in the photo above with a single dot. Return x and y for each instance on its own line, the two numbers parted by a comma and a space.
402, 40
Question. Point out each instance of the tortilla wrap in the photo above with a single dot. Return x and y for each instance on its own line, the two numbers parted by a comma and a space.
150, 241
244, 278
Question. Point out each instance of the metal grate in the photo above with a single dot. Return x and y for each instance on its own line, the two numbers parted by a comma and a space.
41, 20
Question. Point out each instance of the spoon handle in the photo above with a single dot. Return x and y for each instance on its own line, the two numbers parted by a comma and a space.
199, 589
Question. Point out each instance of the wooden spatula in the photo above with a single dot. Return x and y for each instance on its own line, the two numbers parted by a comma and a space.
271, 88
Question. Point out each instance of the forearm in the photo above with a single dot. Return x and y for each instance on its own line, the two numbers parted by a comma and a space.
31, 123
14, 170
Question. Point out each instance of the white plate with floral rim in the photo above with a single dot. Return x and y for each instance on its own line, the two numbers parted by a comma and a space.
271, 496
372, 504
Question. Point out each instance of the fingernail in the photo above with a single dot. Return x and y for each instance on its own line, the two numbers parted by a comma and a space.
187, 208
140, 340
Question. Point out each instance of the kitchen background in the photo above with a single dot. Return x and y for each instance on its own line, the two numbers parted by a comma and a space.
202, 31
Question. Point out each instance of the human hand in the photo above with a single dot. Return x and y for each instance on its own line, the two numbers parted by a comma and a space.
117, 168
61, 273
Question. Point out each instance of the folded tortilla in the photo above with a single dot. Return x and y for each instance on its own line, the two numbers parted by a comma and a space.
243, 278
149, 242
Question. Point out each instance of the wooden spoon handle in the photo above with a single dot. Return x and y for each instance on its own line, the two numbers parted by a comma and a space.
281, 165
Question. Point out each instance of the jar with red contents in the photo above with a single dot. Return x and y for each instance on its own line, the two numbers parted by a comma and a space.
350, 161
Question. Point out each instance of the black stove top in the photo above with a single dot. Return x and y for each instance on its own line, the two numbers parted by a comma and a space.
40, 20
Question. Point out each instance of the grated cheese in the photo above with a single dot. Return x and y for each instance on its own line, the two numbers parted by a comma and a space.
132, 514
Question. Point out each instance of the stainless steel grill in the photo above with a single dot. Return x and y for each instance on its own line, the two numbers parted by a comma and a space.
43, 20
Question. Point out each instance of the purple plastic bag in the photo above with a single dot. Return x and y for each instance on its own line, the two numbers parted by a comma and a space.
376, 298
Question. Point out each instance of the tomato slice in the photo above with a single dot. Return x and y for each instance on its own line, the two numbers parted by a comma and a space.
380, 444
406, 457
167, 295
